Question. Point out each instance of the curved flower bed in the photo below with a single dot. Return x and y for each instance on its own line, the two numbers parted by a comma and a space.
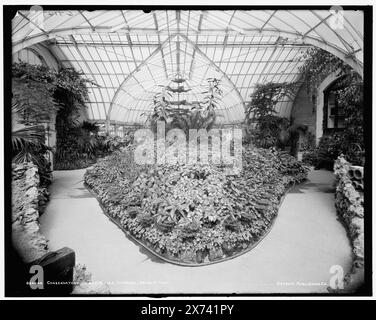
194, 214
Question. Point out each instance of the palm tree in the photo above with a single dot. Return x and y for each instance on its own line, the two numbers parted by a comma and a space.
28, 145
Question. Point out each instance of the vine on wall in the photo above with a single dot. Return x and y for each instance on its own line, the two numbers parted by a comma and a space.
318, 64
39, 94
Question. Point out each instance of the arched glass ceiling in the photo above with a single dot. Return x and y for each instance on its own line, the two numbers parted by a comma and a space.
178, 57
129, 52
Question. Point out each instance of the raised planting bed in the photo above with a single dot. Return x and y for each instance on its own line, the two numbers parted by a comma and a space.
349, 202
194, 214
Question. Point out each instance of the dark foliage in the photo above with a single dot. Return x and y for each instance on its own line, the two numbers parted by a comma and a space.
331, 147
40, 92
349, 142
264, 128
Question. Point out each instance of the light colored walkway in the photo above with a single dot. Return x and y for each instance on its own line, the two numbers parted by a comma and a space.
304, 243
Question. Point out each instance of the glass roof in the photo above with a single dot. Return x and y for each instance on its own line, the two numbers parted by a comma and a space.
131, 54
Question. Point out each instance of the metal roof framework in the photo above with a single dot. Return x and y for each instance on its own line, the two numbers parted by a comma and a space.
130, 54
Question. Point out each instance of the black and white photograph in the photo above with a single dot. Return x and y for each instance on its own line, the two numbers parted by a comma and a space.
187, 151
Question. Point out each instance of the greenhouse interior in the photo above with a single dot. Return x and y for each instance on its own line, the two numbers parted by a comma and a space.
189, 151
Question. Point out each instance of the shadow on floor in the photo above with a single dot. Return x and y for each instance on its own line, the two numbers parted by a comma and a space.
150, 256
312, 187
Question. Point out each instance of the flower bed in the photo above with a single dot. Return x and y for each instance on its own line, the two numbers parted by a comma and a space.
349, 203
194, 214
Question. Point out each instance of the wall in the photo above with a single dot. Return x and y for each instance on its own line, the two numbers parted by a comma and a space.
308, 107
320, 102
26, 201
349, 204
304, 109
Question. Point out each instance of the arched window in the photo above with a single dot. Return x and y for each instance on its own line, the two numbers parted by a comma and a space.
333, 111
